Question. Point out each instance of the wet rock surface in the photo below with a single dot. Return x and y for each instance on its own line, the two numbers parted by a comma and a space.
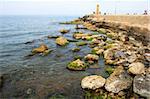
61, 41
40, 49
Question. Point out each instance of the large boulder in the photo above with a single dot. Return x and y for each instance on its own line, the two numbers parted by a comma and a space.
118, 80
77, 65
136, 68
61, 41
141, 84
92, 82
40, 49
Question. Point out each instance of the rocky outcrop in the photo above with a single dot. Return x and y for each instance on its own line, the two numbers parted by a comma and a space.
92, 82
118, 80
61, 41
77, 65
40, 49
136, 68
141, 84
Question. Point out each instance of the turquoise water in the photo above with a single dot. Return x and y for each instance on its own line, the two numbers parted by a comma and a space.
40, 77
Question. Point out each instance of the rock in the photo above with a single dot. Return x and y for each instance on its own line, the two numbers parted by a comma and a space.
119, 54
29, 91
40, 49
80, 35
47, 52
61, 41
97, 50
132, 58
91, 57
108, 54
118, 80
92, 82
77, 65
76, 49
49, 37
63, 31
147, 56
81, 43
141, 85
136, 68
102, 30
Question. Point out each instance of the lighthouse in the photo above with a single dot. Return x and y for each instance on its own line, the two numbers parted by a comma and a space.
97, 12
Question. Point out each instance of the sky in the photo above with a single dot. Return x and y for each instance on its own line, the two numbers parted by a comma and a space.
71, 7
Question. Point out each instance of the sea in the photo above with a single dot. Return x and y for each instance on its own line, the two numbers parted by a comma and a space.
41, 77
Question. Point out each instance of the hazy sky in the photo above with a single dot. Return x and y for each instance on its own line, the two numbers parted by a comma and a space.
70, 7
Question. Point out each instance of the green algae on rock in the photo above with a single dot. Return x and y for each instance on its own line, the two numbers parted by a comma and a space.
77, 65
76, 49
81, 43
109, 70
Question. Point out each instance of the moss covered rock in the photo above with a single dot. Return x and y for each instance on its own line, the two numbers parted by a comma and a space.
81, 43
76, 49
77, 65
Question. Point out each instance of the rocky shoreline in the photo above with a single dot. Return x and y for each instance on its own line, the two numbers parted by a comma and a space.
130, 57
127, 55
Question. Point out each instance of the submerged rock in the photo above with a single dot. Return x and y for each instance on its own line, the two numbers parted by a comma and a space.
40, 49
141, 85
136, 68
76, 49
81, 43
118, 80
47, 52
63, 31
61, 41
92, 82
77, 65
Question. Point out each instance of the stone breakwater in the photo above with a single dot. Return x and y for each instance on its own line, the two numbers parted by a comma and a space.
136, 25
